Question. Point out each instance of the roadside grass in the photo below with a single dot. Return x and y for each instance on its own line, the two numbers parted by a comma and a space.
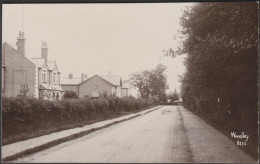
27, 130
252, 143
71, 137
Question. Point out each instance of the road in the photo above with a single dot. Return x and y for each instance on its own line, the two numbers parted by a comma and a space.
170, 134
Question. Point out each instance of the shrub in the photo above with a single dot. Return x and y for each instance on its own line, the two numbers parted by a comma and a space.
29, 113
70, 95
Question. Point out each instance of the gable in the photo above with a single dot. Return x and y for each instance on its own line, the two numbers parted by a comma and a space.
113, 79
10, 52
39, 62
7, 50
55, 67
52, 66
44, 65
96, 78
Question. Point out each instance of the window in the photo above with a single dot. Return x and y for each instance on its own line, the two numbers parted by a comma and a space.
54, 77
96, 88
43, 77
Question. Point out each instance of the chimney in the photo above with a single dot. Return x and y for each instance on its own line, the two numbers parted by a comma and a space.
44, 51
70, 76
21, 44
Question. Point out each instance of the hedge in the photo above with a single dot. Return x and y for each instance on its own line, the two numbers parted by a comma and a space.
24, 118
31, 109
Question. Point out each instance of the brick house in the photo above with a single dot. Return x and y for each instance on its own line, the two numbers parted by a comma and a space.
38, 77
97, 86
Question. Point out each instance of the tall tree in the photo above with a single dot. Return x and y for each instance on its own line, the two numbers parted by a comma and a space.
221, 43
151, 83
222, 48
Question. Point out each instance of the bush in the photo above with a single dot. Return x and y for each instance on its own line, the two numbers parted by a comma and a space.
70, 95
21, 114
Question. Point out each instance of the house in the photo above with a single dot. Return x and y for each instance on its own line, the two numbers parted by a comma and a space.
37, 77
97, 86
71, 83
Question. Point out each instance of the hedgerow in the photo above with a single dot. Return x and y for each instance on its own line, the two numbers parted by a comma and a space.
20, 114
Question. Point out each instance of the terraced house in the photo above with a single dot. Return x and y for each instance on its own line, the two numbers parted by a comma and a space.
35, 77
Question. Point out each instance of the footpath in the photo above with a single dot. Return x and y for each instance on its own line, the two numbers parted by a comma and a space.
21, 148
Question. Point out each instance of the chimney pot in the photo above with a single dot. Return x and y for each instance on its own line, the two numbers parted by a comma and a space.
21, 44
44, 51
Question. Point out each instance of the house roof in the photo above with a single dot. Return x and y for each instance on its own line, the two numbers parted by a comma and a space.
111, 79
52, 65
38, 61
110, 82
8, 45
68, 81
114, 79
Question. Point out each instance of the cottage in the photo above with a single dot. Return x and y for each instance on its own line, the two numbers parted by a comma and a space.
97, 86
36, 77
71, 83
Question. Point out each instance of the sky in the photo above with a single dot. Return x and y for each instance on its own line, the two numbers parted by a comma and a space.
98, 38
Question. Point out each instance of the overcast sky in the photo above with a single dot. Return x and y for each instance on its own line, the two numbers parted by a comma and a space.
97, 38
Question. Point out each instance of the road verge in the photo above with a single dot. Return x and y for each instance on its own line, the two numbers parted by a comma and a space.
8, 155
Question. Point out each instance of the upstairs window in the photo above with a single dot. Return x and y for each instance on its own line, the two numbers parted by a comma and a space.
54, 77
43, 77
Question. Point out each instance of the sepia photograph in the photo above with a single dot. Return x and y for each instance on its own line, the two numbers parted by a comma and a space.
173, 82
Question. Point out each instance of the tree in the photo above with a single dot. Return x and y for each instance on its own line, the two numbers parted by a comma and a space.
23, 90
140, 80
70, 95
222, 48
173, 96
221, 44
158, 82
151, 83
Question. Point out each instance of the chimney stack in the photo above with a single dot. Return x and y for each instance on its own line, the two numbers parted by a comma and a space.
21, 44
44, 51
70, 76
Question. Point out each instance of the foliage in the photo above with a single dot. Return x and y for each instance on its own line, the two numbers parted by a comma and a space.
173, 96
25, 113
221, 44
70, 95
222, 48
151, 83
24, 90
20, 108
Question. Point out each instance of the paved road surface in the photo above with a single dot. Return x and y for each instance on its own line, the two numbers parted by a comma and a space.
169, 134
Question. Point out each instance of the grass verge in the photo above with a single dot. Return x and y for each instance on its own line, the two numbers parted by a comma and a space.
251, 148
28, 131
65, 139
